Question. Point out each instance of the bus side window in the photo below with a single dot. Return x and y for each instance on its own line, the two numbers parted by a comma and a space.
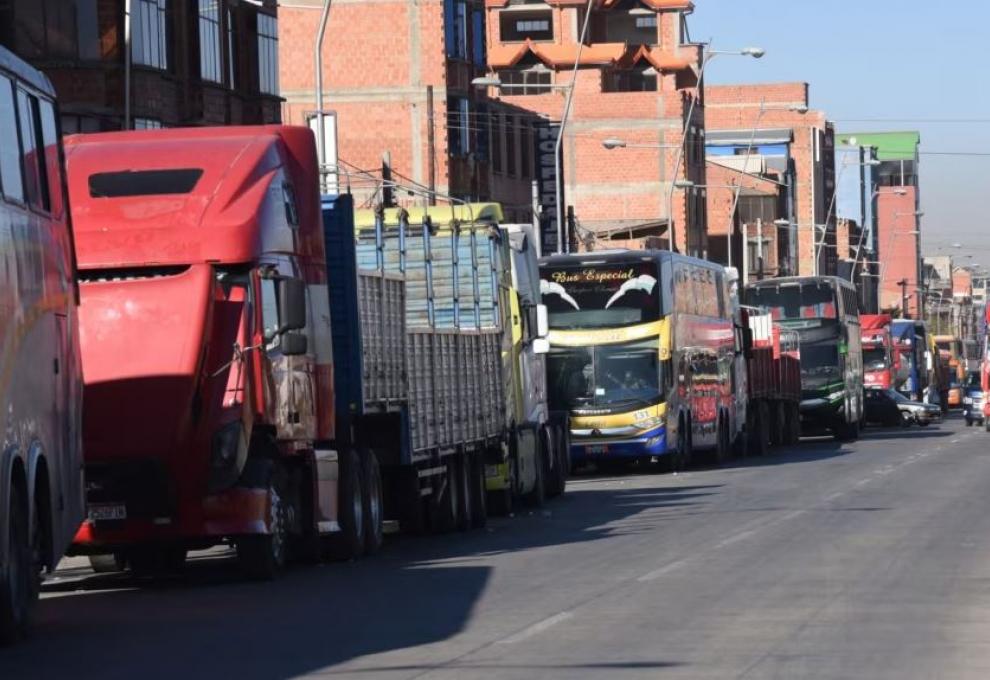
11, 180
36, 182
53, 168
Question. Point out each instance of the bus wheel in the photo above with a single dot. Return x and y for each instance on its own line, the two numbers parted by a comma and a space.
17, 594
373, 504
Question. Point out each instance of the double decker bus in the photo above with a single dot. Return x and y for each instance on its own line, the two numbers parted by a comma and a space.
825, 313
642, 345
41, 488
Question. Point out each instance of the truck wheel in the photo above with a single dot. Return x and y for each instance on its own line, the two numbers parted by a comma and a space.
760, 442
17, 582
465, 512
373, 504
501, 501
349, 543
445, 507
108, 564
479, 510
537, 495
682, 454
780, 425
722, 440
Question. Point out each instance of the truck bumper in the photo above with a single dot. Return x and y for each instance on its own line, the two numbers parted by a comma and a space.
652, 443
236, 512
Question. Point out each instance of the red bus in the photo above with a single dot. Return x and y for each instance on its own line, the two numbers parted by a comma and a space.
41, 489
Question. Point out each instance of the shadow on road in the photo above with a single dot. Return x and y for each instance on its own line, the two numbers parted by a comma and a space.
210, 622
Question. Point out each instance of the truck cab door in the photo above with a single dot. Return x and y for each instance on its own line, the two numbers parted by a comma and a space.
290, 398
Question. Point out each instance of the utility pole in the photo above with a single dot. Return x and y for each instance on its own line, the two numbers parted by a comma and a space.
903, 283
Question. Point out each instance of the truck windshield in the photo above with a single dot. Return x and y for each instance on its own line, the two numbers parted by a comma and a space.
604, 376
795, 301
609, 295
875, 358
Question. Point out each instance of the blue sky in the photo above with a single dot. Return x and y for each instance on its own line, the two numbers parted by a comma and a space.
903, 61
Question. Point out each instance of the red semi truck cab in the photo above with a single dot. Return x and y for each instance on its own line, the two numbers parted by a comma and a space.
204, 325
880, 361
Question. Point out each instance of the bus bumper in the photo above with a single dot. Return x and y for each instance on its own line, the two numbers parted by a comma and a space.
653, 443
820, 413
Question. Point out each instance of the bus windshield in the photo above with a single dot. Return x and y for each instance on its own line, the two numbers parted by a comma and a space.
604, 295
604, 376
795, 301
820, 362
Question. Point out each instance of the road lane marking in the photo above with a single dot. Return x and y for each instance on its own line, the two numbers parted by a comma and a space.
741, 536
536, 628
666, 569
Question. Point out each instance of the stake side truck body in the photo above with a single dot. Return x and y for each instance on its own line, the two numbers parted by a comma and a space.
211, 280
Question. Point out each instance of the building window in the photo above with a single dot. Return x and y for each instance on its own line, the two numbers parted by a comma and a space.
267, 54
510, 145
515, 26
458, 126
11, 179
632, 80
497, 133
209, 40
147, 124
478, 38
535, 79
525, 148
231, 42
149, 33
633, 25
455, 19
87, 30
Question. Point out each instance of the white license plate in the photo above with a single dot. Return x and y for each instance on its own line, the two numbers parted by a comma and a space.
107, 512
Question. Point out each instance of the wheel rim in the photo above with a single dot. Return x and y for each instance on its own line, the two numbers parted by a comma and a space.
375, 502
277, 520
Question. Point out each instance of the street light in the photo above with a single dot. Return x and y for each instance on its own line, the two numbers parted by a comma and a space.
707, 55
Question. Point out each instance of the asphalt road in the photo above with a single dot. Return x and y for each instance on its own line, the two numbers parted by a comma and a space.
867, 561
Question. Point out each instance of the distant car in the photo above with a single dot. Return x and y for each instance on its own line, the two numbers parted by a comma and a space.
881, 409
890, 407
973, 400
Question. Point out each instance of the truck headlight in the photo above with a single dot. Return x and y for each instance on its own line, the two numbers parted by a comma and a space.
228, 453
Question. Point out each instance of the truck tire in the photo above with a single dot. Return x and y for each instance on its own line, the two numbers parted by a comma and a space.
501, 502
349, 543
682, 454
778, 435
445, 506
108, 564
479, 509
263, 556
760, 442
722, 445
465, 511
18, 589
374, 509
537, 496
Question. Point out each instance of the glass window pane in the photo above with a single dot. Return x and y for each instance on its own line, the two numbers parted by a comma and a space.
10, 157
36, 195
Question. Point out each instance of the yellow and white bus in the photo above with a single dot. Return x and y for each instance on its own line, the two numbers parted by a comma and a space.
642, 352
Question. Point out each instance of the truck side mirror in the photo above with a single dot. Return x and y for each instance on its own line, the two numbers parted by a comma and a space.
542, 321
293, 344
291, 305
541, 346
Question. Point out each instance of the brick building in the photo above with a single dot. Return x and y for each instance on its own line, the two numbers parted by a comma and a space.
210, 62
797, 143
635, 81
397, 75
762, 201
898, 237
